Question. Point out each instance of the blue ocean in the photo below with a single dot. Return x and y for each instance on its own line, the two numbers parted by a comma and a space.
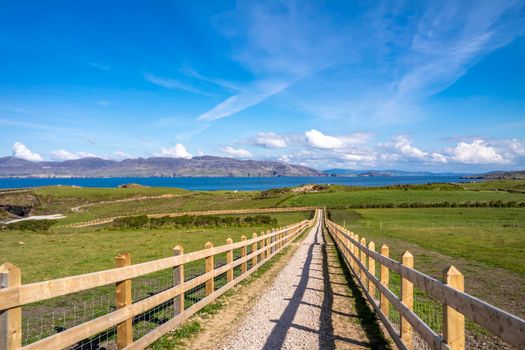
226, 183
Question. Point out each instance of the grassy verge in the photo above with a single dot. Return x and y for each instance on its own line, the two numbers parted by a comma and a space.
366, 316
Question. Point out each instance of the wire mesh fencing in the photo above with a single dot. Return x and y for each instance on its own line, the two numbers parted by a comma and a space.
425, 307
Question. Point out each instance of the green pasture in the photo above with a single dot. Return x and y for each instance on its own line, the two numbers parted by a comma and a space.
491, 236
509, 185
196, 201
352, 199
66, 252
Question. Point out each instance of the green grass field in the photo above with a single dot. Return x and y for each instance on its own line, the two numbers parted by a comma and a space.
486, 244
492, 236
66, 252
191, 202
351, 199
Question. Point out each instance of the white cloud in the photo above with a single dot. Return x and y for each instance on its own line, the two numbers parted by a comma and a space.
438, 157
400, 153
21, 151
269, 140
514, 147
476, 152
401, 149
178, 151
356, 157
319, 140
121, 155
403, 145
237, 152
62, 154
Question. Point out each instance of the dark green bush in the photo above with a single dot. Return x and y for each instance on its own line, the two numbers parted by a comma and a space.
131, 221
32, 225
188, 221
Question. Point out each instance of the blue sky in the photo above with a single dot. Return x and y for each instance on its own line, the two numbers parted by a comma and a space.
420, 85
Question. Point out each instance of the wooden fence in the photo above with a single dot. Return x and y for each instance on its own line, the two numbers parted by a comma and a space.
197, 213
14, 295
456, 304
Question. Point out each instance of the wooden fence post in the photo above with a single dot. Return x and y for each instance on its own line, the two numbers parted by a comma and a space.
407, 297
268, 242
244, 265
345, 243
453, 321
263, 244
356, 256
363, 262
372, 270
229, 260
123, 299
178, 279
385, 277
254, 249
348, 244
351, 250
10, 320
209, 266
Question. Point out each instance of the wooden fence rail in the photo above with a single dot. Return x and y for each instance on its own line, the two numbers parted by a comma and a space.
455, 302
14, 295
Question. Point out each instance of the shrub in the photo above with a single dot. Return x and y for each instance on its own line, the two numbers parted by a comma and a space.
32, 225
187, 221
131, 221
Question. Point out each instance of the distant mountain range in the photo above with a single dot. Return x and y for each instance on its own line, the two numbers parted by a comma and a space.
499, 175
206, 166
151, 167
351, 172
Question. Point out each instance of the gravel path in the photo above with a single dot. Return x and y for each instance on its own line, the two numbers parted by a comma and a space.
295, 312
38, 217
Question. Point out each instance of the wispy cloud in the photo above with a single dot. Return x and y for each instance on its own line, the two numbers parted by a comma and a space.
174, 84
226, 84
449, 38
244, 100
99, 66
279, 45
391, 63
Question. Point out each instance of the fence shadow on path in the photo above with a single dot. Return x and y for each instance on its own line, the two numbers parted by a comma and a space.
365, 315
325, 333
278, 335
